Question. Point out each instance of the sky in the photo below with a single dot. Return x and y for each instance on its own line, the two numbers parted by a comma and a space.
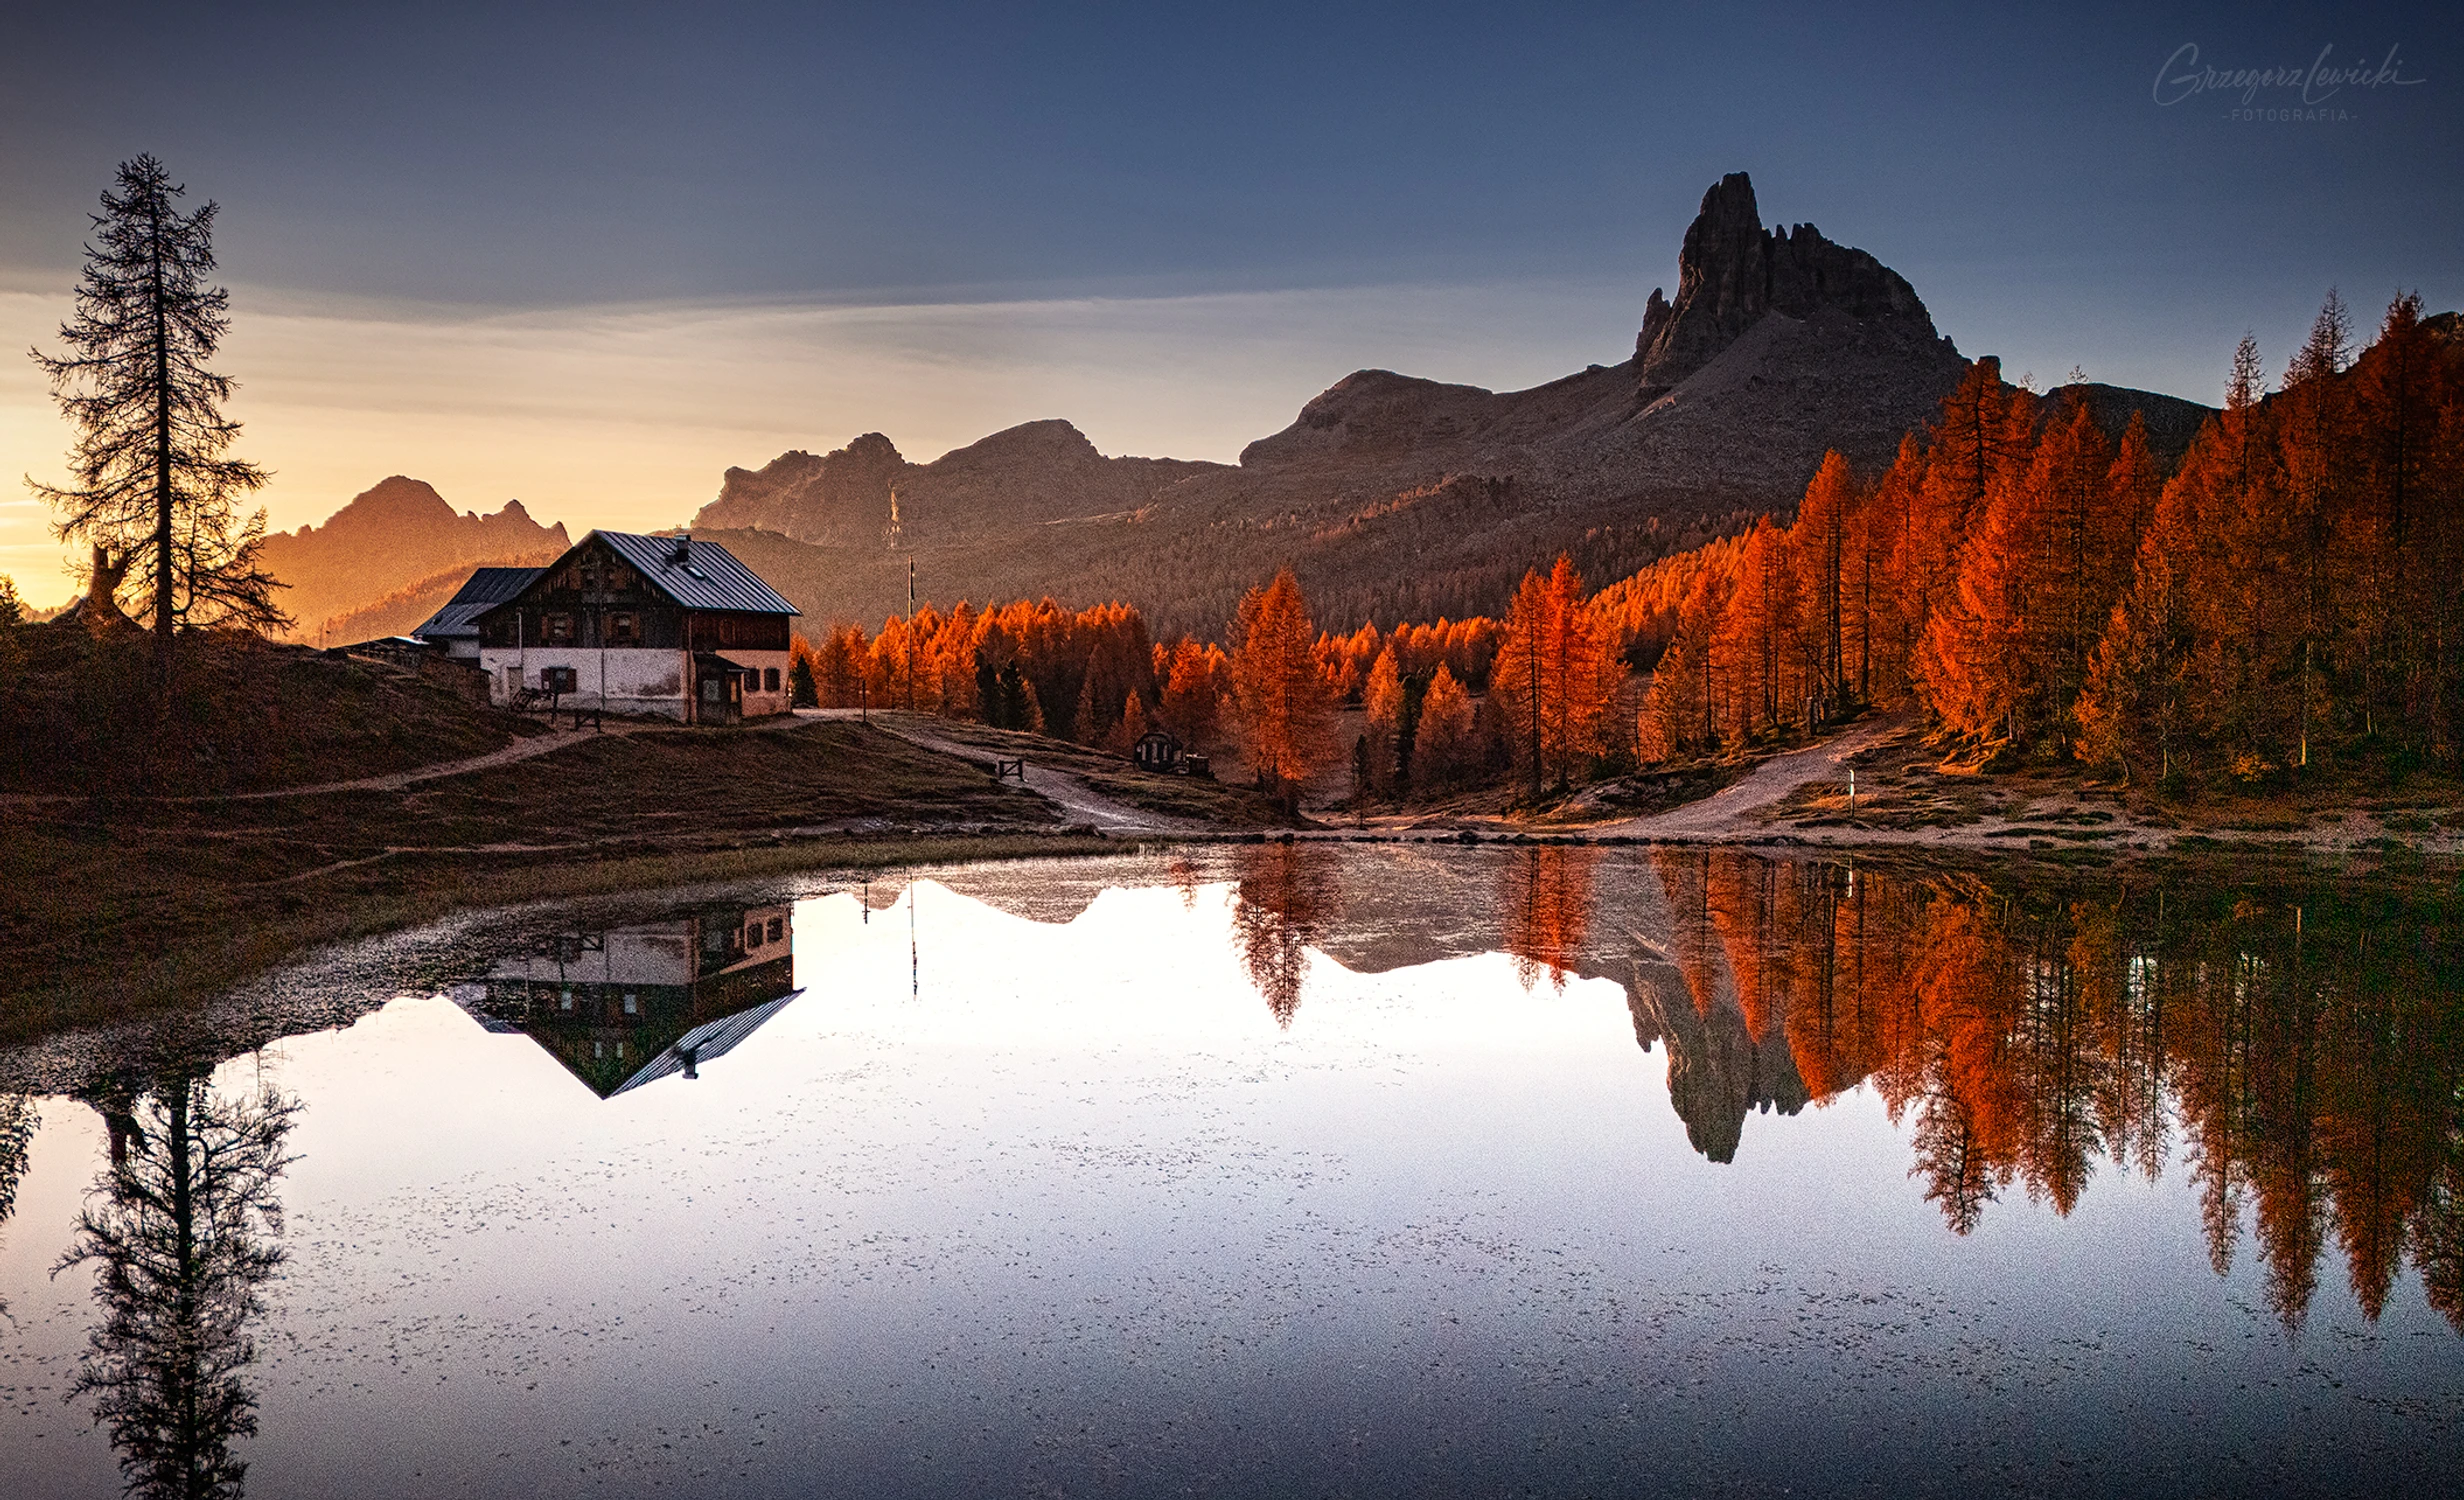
590, 256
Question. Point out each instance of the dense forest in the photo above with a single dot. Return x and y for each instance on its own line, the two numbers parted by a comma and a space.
1445, 704
2292, 592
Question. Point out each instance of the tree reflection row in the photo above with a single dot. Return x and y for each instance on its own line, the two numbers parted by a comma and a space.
2303, 1052
2307, 1050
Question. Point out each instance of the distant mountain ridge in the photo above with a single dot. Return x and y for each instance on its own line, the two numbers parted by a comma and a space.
1398, 497
392, 536
1393, 497
1031, 473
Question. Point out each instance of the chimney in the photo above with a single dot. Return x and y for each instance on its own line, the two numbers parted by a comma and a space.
683, 551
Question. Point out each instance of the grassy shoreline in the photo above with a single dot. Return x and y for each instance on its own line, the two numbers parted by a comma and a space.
109, 910
210, 961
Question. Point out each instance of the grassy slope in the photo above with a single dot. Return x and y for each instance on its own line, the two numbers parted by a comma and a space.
101, 912
79, 717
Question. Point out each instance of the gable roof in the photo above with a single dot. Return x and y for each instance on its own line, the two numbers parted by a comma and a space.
485, 587
704, 1042
706, 576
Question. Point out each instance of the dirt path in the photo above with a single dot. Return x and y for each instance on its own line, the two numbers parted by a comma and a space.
1721, 815
391, 781
1080, 802
394, 781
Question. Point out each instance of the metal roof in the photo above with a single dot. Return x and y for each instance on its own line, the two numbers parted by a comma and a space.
704, 1042
708, 577
484, 588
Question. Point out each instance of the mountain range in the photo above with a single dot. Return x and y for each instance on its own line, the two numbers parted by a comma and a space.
370, 569
1393, 497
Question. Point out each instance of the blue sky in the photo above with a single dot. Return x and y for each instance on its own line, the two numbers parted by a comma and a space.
1491, 191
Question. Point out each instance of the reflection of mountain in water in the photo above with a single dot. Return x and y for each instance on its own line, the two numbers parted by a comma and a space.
2300, 1051
627, 1006
1563, 911
1717, 1072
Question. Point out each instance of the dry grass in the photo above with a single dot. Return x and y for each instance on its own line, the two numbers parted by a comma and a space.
80, 717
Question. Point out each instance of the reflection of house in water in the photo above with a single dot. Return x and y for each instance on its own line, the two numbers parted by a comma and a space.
631, 1005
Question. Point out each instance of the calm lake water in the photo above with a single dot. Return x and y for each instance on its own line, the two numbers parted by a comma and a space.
1274, 1170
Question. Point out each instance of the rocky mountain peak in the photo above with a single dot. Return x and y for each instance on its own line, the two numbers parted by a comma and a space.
841, 496
396, 500
1053, 440
1731, 272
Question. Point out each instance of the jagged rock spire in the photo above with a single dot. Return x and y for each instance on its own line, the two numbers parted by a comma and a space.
1731, 271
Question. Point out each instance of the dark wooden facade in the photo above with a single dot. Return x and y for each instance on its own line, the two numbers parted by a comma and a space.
597, 599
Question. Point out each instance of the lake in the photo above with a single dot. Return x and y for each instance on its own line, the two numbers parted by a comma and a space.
1274, 1170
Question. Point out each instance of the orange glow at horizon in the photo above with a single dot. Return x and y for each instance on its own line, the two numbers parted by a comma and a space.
629, 416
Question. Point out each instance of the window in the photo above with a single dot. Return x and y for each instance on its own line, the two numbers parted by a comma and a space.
710, 690
620, 629
568, 1000
752, 935
558, 679
619, 578
769, 679
633, 1006
776, 926
556, 628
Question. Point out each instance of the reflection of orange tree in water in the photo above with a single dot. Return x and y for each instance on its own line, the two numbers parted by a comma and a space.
180, 1227
1545, 891
1286, 898
2312, 1051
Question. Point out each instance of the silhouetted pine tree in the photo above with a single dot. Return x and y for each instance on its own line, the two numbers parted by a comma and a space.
150, 473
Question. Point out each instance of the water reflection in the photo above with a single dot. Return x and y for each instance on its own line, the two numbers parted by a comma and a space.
1544, 896
621, 1007
18, 1118
1285, 899
2308, 1052
1451, 1201
181, 1227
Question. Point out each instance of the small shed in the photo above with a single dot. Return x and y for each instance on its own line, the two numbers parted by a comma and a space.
1155, 751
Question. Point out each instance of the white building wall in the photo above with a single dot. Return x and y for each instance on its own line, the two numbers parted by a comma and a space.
760, 704
620, 679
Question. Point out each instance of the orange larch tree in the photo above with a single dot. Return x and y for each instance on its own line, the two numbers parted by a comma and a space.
1555, 675
1819, 551
1285, 710
1753, 652
1444, 747
1382, 697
